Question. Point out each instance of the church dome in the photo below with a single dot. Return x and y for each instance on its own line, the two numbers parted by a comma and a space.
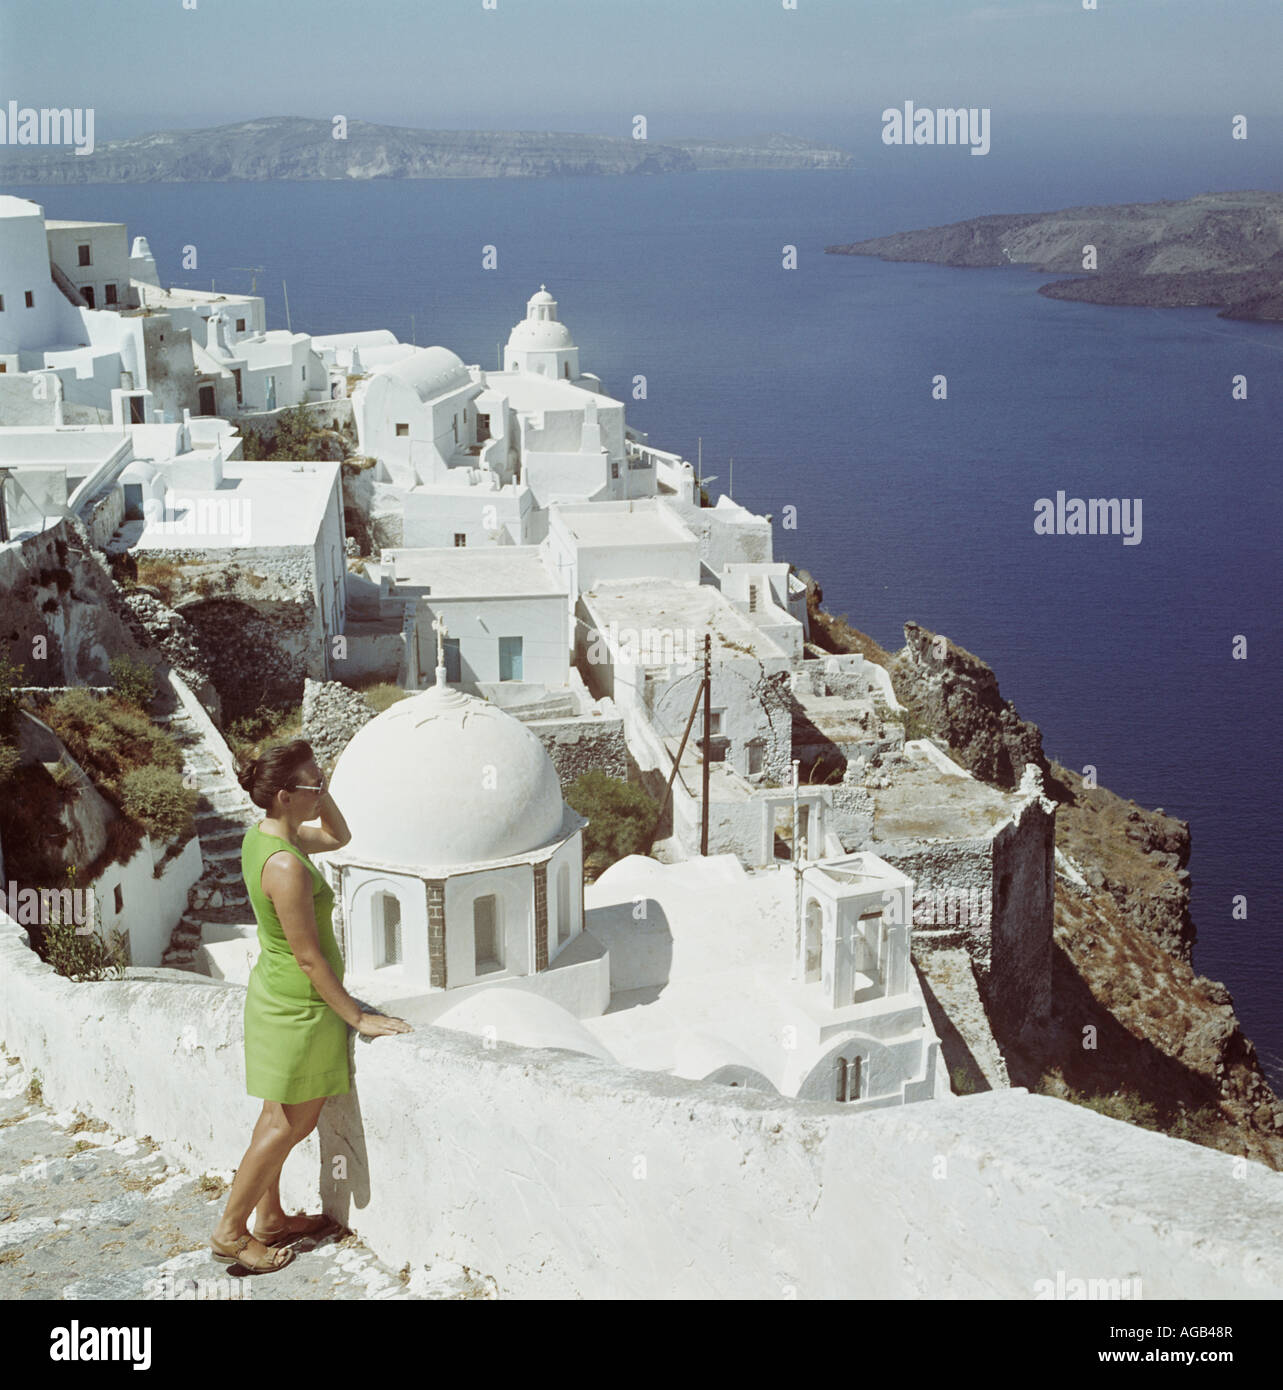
430, 371
540, 333
443, 778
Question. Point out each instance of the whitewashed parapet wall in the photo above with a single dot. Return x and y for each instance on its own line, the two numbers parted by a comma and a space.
567, 1176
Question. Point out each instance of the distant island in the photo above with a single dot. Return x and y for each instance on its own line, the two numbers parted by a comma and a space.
1223, 250
288, 147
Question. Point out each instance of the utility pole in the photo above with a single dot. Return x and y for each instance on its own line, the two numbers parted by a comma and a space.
708, 739
730, 486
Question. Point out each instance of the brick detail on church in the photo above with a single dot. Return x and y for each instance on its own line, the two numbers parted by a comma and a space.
541, 916
436, 931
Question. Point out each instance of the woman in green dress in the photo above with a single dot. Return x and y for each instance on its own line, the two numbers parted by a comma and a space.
297, 1013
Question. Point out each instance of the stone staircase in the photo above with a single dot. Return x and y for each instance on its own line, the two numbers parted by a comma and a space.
223, 814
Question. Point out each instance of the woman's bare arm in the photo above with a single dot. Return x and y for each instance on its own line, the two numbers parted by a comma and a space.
332, 834
288, 884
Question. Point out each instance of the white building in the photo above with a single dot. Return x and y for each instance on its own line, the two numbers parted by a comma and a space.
94, 258
504, 609
416, 417
66, 350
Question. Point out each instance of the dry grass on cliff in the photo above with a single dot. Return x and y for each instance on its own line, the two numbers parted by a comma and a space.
835, 634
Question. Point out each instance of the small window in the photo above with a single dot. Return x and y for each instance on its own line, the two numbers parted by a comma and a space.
614, 470
31, 299
453, 664
302, 371
236, 374
119, 898
402, 431
715, 722
567, 369
460, 538
87, 292
4, 366
109, 293
510, 658
389, 942
752, 598
1, 304
485, 934
754, 759
136, 416
849, 1078
454, 423
240, 325
83, 253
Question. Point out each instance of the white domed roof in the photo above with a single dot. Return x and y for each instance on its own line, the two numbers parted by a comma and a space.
430, 371
140, 471
522, 1017
541, 296
540, 333
443, 779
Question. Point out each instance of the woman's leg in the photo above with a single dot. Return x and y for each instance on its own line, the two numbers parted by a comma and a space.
276, 1132
269, 1214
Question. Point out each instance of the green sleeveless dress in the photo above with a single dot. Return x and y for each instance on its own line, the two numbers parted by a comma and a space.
296, 1046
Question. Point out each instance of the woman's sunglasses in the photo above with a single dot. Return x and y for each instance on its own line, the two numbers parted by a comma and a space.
321, 788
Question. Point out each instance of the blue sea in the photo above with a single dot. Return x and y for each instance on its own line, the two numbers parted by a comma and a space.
817, 383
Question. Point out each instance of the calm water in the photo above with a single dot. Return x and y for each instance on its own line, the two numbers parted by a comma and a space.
817, 383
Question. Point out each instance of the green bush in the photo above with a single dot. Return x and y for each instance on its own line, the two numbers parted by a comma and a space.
80, 957
109, 738
10, 761
620, 815
10, 676
156, 797
134, 681
383, 695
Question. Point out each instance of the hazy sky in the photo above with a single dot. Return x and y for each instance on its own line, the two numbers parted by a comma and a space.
694, 67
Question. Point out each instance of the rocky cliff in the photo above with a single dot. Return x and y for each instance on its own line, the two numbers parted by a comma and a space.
291, 148
1165, 1047
1223, 250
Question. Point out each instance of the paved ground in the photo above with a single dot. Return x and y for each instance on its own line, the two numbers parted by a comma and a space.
87, 1213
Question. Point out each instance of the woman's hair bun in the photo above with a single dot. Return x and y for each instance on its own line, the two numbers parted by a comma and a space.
246, 772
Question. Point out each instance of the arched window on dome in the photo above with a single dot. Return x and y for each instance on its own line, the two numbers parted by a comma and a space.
563, 903
385, 918
487, 938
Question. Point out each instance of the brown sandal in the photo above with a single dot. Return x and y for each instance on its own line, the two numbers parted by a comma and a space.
316, 1226
238, 1256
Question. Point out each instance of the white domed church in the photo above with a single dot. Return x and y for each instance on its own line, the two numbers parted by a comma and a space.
541, 344
465, 865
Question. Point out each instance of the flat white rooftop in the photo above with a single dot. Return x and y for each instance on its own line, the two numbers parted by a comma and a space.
499, 571
662, 603
529, 391
18, 207
640, 523
258, 505
53, 224
69, 444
